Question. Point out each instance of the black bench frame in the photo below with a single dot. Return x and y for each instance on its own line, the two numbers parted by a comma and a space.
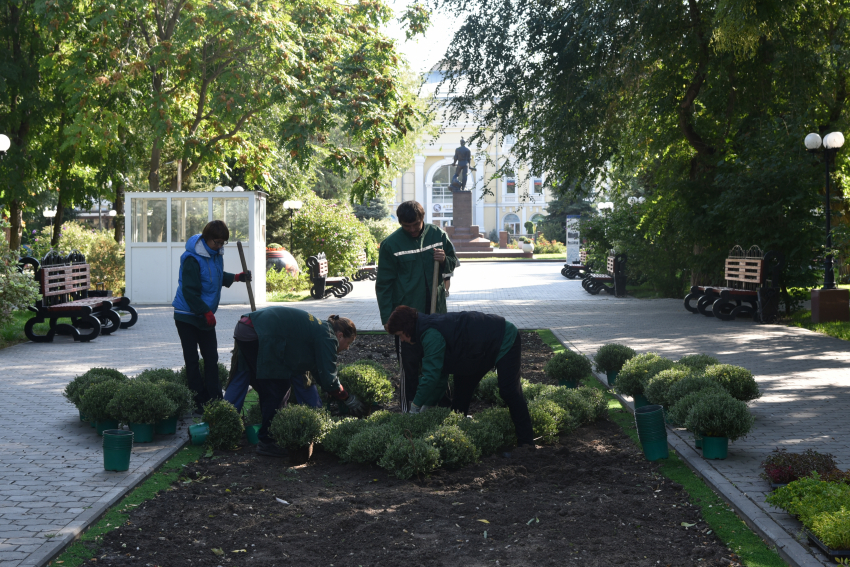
323, 286
616, 277
365, 271
747, 293
578, 270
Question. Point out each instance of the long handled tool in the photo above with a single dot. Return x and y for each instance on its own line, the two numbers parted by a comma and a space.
434, 287
245, 269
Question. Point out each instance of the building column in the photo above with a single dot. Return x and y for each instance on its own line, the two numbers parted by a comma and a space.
426, 202
478, 216
419, 179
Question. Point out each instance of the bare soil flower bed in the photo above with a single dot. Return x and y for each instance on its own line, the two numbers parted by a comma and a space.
591, 499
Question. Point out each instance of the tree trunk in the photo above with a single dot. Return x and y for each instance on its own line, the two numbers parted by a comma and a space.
16, 217
153, 174
119, 208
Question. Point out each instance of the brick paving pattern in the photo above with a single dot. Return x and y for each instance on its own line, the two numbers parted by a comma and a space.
51, 474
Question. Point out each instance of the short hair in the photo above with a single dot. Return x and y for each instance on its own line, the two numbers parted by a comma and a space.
403, 318
410, 211
342, 325
215, 230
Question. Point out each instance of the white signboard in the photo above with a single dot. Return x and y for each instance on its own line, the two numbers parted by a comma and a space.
573, 240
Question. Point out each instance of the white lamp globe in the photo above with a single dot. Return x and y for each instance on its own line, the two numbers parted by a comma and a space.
833, 141
812, 141
641, 200
218, 188
600, 206
226, 188
296, 205
238, 188
113, 213
5, 143
632, 200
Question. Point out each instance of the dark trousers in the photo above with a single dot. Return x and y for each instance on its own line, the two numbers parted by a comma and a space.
508, 372
409, 360
192, 339
270, 392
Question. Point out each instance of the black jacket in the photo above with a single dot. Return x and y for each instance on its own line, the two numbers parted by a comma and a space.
473, 339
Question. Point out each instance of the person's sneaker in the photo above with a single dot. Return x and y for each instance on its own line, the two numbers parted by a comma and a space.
271, 450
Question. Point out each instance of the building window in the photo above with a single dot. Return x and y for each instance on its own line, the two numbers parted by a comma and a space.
511, 224
441, 196
510, 182
537, 185
408, 190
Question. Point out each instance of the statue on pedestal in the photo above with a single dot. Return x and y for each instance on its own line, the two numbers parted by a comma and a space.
462, 159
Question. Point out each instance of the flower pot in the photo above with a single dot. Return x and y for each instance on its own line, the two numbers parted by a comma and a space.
528, 247
198, 433
281, 260
649, 421
117, 447
715, 447
300, 455
167, 426
640, 401
612, 378
654, 450
93, 423
106, 424
697, 440
568, 383
251, 433
83, 417
142, 432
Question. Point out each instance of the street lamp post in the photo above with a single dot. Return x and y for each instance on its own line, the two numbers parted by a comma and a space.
292, 206
48, 214
828, 303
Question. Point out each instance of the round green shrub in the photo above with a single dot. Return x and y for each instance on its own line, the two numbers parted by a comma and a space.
75, 388
612, 357
596, 400
736, 380
297, 426
456, 449
486, 436
697, 362
369, 445
833, 528
181, 395
637, 371
253, 413
381, 417
158, 375
532, 391
226, 426
409, 457
223, 374
368, 381
337, 439
717, 414
568, 366
549, 420
94, 403
141, 401
500, 418
488, 389
573, 401
689, 385
658, 387
421, 424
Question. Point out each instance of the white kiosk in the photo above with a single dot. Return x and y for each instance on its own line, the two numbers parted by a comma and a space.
157, 226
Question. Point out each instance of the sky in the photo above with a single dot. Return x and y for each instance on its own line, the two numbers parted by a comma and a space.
424, 52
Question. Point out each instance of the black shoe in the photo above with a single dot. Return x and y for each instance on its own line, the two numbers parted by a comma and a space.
271, 450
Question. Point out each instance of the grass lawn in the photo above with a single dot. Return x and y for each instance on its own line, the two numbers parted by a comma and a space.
12, 333
643, 291
837, 329
276, 296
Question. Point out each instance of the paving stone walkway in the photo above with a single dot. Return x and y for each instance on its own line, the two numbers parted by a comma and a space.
51, 478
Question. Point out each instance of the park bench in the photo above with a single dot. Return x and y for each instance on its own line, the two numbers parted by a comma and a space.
65, 287
746, 293
577, 270
614, 282
365, 271
323, 286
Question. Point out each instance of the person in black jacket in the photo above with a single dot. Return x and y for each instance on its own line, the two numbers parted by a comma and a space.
468, 345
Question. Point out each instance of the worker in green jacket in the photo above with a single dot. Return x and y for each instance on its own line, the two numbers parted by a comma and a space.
405, 276
280, 344
467, 345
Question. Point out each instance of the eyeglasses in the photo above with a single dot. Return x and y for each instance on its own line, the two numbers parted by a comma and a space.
220, 242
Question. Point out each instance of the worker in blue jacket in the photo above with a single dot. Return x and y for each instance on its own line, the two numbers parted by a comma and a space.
198, 292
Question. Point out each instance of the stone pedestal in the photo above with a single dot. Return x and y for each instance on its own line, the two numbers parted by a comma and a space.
465, 236
830, 305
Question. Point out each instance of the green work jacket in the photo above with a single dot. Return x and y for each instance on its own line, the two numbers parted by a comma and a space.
292, 342
406, 270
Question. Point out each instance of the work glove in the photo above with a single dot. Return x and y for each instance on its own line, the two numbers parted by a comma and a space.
243, 277
210, 318
418, 409
355, 406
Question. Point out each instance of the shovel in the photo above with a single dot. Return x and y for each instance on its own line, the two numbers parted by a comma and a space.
245, 269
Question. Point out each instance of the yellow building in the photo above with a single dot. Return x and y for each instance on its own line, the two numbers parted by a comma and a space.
511, 200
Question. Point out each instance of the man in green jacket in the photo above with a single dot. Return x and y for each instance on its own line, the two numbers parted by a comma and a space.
466, 344
280, 344
405, 276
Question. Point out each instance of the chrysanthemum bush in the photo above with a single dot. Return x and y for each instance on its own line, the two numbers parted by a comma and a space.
823, 507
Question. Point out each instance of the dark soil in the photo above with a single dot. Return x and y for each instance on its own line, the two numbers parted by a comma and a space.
590, 500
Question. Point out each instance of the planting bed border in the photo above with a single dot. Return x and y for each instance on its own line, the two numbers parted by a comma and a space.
833, 554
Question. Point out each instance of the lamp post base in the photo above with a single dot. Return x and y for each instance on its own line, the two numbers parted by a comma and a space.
830, 305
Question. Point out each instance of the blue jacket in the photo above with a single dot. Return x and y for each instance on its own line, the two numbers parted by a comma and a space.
211, 263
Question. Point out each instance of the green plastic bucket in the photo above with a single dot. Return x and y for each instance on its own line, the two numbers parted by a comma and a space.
251, 433
106, 424
715, 447
612, 378
697, 440
142, 432
649, 421
654, 450
93, 423
167, 426
640, 401
117, 447
83, 417
198, 433
568, 383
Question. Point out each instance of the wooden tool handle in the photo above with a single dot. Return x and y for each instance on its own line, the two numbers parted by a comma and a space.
245, 269
434, 287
